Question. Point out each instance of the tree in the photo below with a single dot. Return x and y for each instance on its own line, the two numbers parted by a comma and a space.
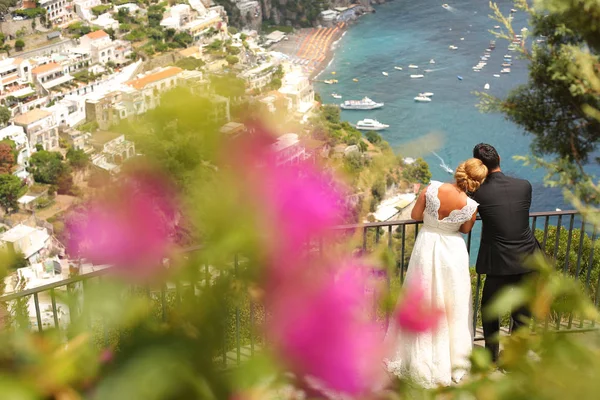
232, 60
229, 86
560, 103
47, 166
183, 39
5, 115
417, 172
190, 63
7, 158
373, 137
19, 44
11, 189
17, 260
78, 159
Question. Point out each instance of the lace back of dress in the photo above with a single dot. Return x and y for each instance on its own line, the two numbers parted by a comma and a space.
454, 220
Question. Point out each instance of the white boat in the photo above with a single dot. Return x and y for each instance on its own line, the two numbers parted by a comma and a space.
427, 70
385, 73
462, 38
496, 75
398, 68
512, 10
446, 6
370, 125
364, 104
336, 96
505, 71
487, 86
496, 26
413, 66
488, 50
417, 76
507, 56
432, 61
452, 47
425, 94
422, 99
506, 64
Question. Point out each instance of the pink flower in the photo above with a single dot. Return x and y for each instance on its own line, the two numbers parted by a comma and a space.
106, 356
320, 330
130, 229
415, 313
297, 202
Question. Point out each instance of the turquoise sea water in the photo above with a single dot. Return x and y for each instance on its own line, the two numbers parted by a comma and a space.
413, 32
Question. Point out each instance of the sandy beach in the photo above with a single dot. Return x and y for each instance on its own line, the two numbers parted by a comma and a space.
311, 48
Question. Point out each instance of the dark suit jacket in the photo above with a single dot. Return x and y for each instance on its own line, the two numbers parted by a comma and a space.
506, 237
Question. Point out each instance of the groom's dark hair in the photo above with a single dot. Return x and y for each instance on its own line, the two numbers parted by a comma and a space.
488, 155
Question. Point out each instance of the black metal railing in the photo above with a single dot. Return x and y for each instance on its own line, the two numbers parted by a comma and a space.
579, 261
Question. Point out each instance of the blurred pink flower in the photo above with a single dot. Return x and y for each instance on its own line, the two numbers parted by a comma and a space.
130, 229
106, 356
415, 313
320, 329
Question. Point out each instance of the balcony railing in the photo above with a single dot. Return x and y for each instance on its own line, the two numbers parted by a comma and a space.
551, 228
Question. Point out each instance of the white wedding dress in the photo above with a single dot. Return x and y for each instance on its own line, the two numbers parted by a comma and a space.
440, 262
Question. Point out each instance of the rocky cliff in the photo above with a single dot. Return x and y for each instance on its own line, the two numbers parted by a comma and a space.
293, 13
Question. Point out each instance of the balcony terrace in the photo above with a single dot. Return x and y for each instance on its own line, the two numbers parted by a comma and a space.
40, 293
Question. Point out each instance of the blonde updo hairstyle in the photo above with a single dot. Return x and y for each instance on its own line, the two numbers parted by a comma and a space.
470, 174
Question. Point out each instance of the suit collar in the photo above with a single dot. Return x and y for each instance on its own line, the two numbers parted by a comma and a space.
497, 174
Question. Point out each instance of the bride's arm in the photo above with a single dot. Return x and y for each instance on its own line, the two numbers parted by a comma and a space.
467, 226
419, 208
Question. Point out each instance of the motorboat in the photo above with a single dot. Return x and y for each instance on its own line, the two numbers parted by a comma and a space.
506, 64
385, 73
413, 66
496, 75
507, 56
336, 96
460, 78
432, 61
426, 94
364, 104
330, 81
354, 80
398, 68
487, 86
422, 99
427, 70
488, 50
505, 71
462, 38
452, 47
370, 125
417, 76
446, 6
496, 26
512, 10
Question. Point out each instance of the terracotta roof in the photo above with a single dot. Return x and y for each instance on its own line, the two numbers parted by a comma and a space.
157, 76
97, 35
45, 68
31, 116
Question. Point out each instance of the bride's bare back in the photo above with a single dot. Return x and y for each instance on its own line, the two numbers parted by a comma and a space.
451, 198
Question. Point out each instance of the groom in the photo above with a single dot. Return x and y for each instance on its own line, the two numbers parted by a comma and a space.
506, 239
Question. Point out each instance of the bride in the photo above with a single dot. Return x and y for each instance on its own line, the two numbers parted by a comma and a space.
440, 265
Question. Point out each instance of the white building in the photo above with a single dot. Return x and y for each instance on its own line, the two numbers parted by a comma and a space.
41, 128
83, 8
18, 136
103, 49
260, 76
298, 89
329, 16
151, 84
57, 11
106, 21
68, 111
176, 16
200, 26
34, 243
288, 150
50, 75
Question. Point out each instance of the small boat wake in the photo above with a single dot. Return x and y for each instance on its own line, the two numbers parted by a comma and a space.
435, 69
443, 164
